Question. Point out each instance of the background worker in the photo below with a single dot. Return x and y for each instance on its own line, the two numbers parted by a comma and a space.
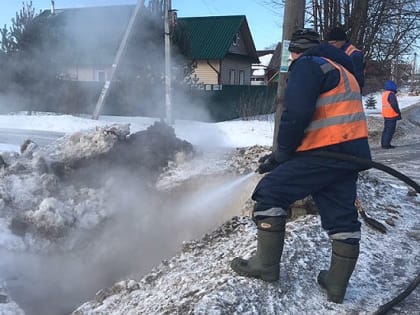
323, 111
337, 37
390, 112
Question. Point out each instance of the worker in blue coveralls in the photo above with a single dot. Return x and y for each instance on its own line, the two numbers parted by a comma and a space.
323, 111
337, 37
390, 112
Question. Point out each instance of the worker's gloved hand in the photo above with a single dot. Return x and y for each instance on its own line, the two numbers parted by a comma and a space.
399, 117
270, 161
264, 158
268, 164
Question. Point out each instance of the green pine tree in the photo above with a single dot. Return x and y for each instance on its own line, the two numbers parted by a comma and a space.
370, 102
14, 38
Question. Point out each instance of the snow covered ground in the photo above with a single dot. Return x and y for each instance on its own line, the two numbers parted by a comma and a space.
237, 133
197, 280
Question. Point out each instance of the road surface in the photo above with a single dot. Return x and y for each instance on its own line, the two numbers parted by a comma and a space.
18, 136
405, 157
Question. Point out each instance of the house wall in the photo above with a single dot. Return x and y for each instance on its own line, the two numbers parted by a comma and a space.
88, 74
205, 73
238, 44
236, 65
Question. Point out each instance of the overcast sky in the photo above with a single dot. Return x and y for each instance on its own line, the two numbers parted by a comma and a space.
263, 21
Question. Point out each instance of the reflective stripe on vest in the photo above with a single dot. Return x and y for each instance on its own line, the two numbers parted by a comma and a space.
339, 115
387, 110
351, 49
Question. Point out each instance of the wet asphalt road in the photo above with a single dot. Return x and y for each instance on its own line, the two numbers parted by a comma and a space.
18, 136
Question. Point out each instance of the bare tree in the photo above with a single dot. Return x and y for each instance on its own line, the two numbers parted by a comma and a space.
385, 30
394, 27
357, 21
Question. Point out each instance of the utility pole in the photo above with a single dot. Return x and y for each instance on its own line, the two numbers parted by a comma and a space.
414, 72
168, 76
52, 7
293, 19
121, 48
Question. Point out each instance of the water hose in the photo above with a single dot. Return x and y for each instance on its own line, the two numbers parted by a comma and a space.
365, 163
383, 309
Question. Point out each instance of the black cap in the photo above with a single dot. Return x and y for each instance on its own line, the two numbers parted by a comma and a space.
336, 33
303, 39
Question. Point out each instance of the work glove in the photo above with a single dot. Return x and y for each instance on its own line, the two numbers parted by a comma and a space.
267, 166
399, 117
264, 158
270, 161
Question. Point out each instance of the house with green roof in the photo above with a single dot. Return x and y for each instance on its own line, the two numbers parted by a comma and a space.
220, 47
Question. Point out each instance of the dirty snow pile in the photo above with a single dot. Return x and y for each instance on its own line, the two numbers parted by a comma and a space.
39, 213
47, 209
58, 206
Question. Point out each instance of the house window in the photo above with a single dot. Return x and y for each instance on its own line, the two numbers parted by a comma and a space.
232, 76
100, 75
241, 77
235, 39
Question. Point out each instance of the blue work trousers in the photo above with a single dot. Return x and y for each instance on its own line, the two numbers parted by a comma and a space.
388, 132
332, 185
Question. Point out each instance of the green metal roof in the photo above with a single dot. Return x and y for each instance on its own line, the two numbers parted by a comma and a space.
210, 37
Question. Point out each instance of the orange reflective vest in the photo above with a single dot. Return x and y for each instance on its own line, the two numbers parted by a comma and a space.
339, 115
387, 110
351, 49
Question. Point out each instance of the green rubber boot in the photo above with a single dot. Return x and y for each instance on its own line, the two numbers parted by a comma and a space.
264, 264
343, 260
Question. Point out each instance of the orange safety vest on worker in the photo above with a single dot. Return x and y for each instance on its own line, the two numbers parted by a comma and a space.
351, 49
387, 110
339, 114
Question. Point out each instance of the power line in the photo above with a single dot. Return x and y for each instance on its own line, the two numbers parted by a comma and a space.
268, 7
211, 10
